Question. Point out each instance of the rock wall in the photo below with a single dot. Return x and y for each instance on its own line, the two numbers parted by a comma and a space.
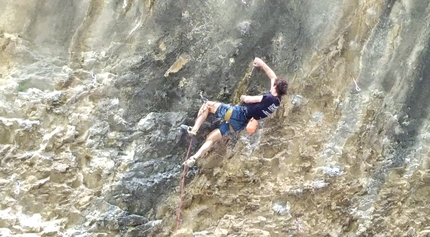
92, 93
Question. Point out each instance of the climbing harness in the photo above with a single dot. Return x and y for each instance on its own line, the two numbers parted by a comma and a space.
227, 119
227, 115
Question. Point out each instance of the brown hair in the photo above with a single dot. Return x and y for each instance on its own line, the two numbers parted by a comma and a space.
281, 86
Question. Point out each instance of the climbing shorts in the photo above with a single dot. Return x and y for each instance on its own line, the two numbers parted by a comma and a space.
237, 120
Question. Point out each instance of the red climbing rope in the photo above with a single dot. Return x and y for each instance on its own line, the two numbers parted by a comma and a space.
178, 213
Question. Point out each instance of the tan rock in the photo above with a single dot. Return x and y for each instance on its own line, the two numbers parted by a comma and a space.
180, 62
183, 233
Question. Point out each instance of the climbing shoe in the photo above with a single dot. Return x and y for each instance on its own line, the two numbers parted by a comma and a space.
188, 129
190, 162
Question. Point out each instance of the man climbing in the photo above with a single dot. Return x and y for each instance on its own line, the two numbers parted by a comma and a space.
237, 117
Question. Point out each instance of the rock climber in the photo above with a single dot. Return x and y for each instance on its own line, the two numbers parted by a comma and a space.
237, 117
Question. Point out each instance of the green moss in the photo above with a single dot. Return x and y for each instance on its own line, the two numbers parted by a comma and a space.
22, 87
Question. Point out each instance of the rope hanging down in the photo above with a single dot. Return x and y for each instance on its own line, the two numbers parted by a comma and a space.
201, 111
179, 211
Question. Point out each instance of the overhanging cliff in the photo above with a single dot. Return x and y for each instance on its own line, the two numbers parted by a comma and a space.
93, 92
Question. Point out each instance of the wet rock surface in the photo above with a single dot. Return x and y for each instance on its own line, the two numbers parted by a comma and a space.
92, 94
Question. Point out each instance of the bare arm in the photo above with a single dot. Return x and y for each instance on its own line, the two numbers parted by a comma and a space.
270, 73
251, 99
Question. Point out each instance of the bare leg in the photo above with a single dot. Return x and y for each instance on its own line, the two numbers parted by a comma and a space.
208, 107
205, 109
212, 137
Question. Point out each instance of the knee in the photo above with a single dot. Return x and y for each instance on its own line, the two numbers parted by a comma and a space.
213, 106
210, 139
214, 136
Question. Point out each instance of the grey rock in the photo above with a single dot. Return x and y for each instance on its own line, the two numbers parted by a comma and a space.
297, 100
86, 113
281, 209
318, 117
142, 230
132, 220
245, 28
333, 170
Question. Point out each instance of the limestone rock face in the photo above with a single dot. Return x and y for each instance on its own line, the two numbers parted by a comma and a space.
92, 94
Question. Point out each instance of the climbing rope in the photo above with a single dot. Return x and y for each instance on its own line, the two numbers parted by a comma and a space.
179, 211
201, 111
